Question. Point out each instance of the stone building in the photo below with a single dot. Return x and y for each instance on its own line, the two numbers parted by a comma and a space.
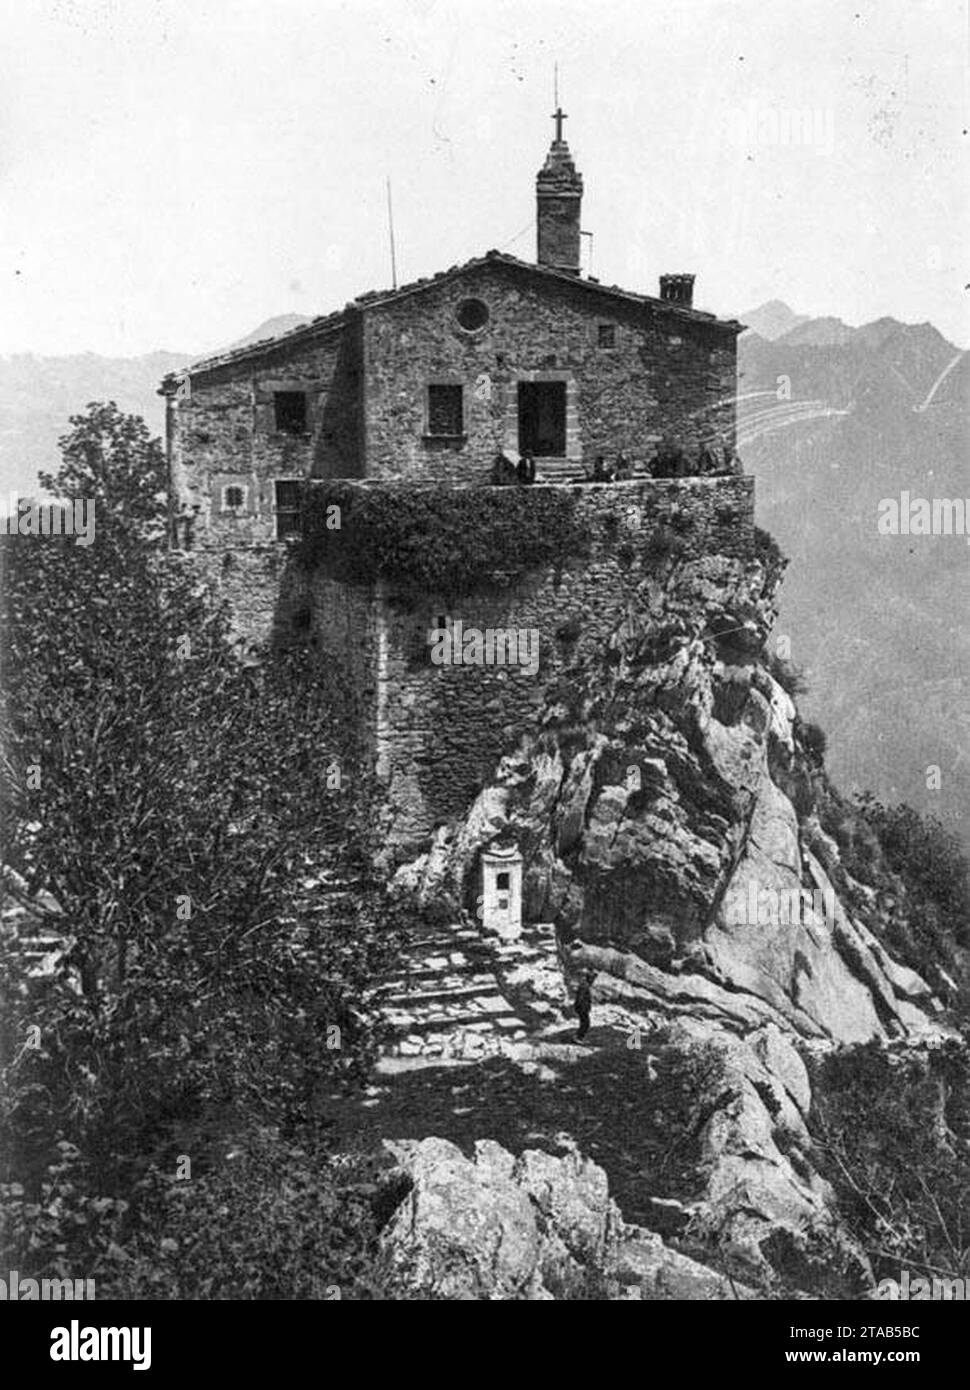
426, 386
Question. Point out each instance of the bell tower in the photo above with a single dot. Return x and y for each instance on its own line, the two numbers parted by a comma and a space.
559, 194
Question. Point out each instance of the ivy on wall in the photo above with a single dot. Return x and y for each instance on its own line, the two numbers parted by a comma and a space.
440, 539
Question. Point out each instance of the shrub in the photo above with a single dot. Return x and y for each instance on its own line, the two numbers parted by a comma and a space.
664, 544
769, 553
788, 675
890, 1134
814, 742
270, 1220
443, 539
929, 860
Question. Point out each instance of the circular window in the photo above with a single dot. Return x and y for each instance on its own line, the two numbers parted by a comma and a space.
472, 314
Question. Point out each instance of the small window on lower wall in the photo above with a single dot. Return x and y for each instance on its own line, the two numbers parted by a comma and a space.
289, 516
446, 410
290, 412
233, 497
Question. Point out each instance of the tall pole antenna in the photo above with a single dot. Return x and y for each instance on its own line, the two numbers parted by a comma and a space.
390, 229
589, 267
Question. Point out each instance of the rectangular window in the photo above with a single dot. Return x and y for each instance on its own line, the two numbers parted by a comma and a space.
503, 882
542, 418
446, 410
607, 335
441, 622
288, 511
233, 498
290, 412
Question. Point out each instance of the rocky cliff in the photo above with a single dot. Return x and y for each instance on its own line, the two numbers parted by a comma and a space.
667, 813
536, 1227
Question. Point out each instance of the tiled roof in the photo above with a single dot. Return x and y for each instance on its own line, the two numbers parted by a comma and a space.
334, 322
325, 323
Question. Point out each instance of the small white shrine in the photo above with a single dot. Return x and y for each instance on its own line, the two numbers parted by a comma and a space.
502, 892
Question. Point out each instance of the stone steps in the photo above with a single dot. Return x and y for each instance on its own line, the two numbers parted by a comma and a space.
448, 942
481, 1020
444, 991
560, 471
416, 979
435, 968
449, 1004
458, 967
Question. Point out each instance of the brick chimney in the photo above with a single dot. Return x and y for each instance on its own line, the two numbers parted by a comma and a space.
559, 193
677, 289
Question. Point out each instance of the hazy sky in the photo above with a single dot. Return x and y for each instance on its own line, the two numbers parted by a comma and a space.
172, 172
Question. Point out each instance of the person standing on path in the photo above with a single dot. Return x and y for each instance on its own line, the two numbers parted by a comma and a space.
583, 1003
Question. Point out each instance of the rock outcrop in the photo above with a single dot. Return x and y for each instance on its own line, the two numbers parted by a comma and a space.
535, 1227
666, 814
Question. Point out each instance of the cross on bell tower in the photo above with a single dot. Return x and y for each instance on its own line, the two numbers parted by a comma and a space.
559, 192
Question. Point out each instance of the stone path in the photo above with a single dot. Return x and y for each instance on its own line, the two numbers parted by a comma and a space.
464, 995
39, 945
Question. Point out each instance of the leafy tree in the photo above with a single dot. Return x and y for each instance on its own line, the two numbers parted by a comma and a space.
168, 797
111, 459
167, 810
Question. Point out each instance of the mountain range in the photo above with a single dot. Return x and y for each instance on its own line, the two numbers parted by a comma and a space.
832, 419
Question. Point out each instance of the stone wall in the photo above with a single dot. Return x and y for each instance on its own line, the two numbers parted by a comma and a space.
366, 375
665, 372
345, 626
268, 596
223, 434
439, 731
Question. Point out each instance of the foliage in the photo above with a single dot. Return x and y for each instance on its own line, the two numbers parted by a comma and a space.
179, 798
928, 858
270, 1220
906, 877
165, 807
110, 459
692, 1087
440, 539
931, 863
891, 1135
664, 544
814, 742
58, 1230
771, 556
787, 674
